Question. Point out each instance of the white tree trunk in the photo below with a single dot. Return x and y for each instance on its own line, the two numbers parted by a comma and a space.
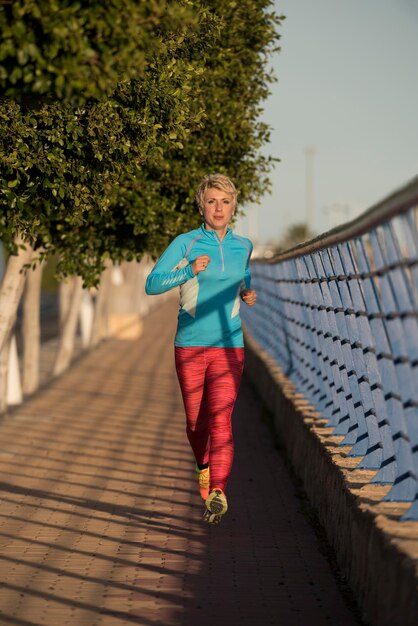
31, 330
11, 290
69, 328
12, 284
14, 388
144, 268
86, 318
4, 366
64, 301
100, 320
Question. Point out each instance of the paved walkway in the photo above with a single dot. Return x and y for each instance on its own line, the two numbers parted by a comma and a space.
100, 518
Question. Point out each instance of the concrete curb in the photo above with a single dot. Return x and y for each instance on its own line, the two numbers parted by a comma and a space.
377, 553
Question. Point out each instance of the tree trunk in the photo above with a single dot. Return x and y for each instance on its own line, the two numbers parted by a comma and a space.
86, 318
10, 293
4, 365
14, 388
68, 328
10, 388
100, 321
31, 330
64, 301
11, 290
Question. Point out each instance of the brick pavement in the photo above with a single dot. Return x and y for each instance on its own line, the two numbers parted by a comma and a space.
100, 519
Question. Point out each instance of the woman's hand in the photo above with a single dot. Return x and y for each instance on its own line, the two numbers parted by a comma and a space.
249, 296
200, 264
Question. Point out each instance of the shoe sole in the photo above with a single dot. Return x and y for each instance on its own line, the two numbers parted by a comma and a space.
216, 507
211, 518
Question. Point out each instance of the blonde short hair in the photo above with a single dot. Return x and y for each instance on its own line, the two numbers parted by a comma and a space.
217, 181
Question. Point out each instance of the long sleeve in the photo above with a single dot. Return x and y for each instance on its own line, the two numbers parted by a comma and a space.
167, 272
247, 276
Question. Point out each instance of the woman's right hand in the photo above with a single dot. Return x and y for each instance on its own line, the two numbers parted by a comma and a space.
200, 264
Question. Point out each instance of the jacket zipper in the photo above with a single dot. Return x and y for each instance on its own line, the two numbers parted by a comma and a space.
221, 251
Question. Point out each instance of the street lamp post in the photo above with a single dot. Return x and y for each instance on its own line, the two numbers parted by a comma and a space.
309, 187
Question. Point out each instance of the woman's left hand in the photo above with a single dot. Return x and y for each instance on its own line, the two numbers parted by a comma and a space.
249, 296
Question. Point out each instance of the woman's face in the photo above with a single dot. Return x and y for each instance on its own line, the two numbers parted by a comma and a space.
218, 209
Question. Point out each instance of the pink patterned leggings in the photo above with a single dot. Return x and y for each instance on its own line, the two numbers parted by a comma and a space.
209, 380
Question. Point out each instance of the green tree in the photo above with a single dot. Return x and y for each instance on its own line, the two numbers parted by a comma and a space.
294, 235
233, 82
111, 114
63, 151
77, 51
66, 136
91, 171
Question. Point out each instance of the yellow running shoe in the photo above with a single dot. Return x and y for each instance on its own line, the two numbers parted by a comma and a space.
216, 506
204, 480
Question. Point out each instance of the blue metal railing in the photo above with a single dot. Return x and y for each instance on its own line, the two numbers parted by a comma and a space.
339, 314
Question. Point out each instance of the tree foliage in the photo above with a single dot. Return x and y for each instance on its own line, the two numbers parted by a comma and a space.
75, 51
234, 82
295, 234
112, 112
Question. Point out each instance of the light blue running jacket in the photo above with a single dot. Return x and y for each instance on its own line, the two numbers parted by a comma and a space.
209, 301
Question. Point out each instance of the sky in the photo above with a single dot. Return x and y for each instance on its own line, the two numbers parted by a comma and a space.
343, 114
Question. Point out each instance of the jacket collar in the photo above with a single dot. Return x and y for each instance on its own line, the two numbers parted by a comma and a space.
212, 235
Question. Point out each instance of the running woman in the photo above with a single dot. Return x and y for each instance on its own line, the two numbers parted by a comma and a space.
211, 266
